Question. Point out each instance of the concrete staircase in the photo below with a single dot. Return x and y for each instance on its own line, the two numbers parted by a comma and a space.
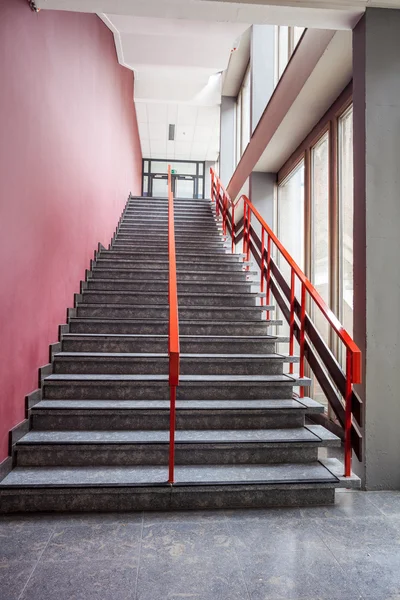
98, 437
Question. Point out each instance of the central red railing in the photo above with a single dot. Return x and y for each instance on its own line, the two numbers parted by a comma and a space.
336, 384
173, 327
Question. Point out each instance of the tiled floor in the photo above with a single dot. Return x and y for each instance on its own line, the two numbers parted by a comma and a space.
347, 552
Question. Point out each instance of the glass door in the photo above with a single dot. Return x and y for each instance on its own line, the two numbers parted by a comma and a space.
184, 186
159, 186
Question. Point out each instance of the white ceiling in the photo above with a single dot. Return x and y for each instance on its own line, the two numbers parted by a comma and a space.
178, 66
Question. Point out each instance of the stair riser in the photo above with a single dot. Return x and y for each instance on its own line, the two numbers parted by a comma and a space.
111, 345
109, 499
149, 274
162, 312
147, 245
72, 455
224, 267
149, 391
187, 237
162, 286
160, 367
255, 328
162, 298
82, 420
155, 220
219, 257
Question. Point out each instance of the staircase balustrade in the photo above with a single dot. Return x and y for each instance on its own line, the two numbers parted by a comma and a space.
337, 385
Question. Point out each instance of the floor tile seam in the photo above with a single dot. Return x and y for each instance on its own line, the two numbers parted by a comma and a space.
231, 535
345, 572
51, 533
135, 592
378, 507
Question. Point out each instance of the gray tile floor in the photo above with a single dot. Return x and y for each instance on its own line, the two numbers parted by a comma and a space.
348, 551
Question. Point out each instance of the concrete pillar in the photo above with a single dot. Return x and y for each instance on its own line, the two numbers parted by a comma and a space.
207, 178
262, 195
227, 139
262, 69
376, 85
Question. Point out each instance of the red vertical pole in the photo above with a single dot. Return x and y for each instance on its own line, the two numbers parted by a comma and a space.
262, 264
217, 198
212, 186
268, 299
291, 322
172, 433
248, 236
224, 213
347, 426
302, 334
244, 227
233, 230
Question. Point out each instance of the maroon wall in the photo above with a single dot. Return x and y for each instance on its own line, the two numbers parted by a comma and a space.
69, 155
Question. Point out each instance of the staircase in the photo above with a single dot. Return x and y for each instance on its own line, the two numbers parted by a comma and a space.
98, 437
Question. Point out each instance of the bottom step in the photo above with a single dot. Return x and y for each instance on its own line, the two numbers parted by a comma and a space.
146, 488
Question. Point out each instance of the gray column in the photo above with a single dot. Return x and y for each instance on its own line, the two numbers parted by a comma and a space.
227, 139
262, 69
262, 195
376, 84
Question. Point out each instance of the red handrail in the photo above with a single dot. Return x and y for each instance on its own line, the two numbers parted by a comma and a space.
353, 353
173, 327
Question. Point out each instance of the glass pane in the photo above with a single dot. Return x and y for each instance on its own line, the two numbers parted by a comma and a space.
146, 166
201, 168
297, 33
291, 233
200, 188
184, 168
283, 49
184, 188
145, 185
320, 227
159, 166
346, 218
291, 216
320, 267
238, 132
245, 112
160, 188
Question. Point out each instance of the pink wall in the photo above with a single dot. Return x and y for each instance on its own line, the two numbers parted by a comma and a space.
69, 155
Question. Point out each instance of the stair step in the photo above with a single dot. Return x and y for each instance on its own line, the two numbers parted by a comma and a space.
131, 311
108, 415
148, 387
187, 299
183, 274
157, 363
230, 287
181, 264
150, 326
159, 343
139, 447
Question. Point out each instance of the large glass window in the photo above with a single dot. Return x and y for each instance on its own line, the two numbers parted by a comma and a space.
286, 40
243, 114
346, 208
320, 265
291, 216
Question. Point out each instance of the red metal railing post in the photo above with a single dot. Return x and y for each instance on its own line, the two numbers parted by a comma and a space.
291, 322
262, 264
212, 185
217, 198
244, 227
173, 328
302, 334
268, 298
224, 202
348, 411
233, 228
248, 236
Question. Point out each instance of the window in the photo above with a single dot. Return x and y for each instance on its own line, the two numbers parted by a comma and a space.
291, 216
320, 265
243, 113
345, 193
286, 40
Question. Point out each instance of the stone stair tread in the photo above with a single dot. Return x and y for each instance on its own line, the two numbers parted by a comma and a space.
205, 379
164, 336
181, 321
181, 306
149, 355
203, 283
130, 405
181, 271
223, 436
271, 474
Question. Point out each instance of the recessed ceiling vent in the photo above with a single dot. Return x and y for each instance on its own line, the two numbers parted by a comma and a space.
171, 133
